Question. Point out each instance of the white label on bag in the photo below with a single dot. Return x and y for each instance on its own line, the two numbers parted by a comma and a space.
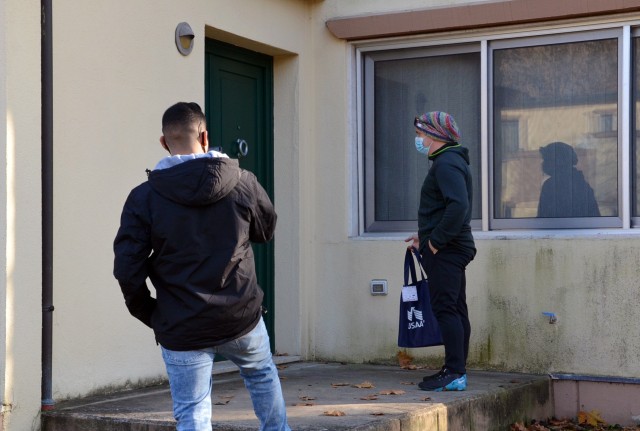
409, 294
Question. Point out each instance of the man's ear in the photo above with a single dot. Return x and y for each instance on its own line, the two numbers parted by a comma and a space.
163, 142
204, 140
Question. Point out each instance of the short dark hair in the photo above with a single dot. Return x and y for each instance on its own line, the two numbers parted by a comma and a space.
183, 114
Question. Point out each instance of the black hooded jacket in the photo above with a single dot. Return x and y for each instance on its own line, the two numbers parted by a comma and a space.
444, 214
189, 230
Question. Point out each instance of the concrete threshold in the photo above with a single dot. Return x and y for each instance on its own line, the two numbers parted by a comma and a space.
329, 396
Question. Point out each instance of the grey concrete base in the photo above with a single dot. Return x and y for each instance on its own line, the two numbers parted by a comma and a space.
492, 401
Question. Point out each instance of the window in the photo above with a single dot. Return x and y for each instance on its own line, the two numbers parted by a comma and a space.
564, 171
636, 129
554, 131
398, 86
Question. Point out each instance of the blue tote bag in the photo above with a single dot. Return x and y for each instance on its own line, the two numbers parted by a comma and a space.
418, 326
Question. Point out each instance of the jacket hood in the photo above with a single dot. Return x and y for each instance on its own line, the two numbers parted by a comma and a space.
453, 148
196, 182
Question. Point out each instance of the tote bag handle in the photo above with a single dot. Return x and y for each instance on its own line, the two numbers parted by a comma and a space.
410, 266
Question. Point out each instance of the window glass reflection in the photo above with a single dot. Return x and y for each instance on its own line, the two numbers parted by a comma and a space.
636, 127
555, 130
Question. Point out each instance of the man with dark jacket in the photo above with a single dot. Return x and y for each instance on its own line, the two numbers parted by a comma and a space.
189, 230
445, 241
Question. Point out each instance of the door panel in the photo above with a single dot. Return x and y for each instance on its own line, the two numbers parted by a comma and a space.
239, 107
240, 117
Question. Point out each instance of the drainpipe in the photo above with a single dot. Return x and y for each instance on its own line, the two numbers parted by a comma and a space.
47, 203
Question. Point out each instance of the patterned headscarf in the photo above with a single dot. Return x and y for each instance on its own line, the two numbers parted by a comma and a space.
438, 125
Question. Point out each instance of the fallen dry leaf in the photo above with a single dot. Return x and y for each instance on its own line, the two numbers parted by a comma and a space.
377, 414
404, 359
337, 385
282, 367
304, 404
409, 367
392, 392
560, 422
333, 413
425, 399
571, 424
306, 398
224, 400
364, 385
407, 383
592, 418
371, 397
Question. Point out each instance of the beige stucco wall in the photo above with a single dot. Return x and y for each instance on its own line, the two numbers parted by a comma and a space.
588, 278
20, 216
116, 69
344, 8
589, 282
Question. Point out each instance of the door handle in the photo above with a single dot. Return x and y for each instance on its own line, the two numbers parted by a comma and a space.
242, 148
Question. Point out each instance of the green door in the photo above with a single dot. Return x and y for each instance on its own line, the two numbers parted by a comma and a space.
239, 109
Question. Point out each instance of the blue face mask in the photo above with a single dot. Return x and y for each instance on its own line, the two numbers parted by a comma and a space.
420, 146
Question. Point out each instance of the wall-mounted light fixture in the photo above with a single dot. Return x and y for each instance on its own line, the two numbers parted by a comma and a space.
184, 38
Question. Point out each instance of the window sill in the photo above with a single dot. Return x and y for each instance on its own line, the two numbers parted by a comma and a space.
517, 234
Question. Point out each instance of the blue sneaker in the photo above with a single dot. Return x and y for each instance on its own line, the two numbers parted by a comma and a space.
459, 384
445, 381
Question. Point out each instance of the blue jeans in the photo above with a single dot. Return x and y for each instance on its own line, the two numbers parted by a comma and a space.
190, 380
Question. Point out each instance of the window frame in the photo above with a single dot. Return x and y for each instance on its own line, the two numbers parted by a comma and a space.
624, 28
561, 222
371, 225
634, 142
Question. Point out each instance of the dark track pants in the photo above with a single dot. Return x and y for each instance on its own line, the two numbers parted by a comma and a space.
447, 287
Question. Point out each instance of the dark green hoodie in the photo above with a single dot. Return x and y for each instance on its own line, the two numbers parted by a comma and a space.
444, 215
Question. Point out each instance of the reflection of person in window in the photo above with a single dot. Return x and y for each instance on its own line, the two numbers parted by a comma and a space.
565, 193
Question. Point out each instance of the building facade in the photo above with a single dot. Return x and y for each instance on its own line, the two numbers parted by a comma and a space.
323, 93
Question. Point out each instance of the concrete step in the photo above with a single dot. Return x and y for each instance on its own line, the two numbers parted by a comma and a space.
492, 401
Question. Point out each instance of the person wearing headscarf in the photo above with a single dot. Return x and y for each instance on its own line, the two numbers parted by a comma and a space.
445, 241
566, 192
